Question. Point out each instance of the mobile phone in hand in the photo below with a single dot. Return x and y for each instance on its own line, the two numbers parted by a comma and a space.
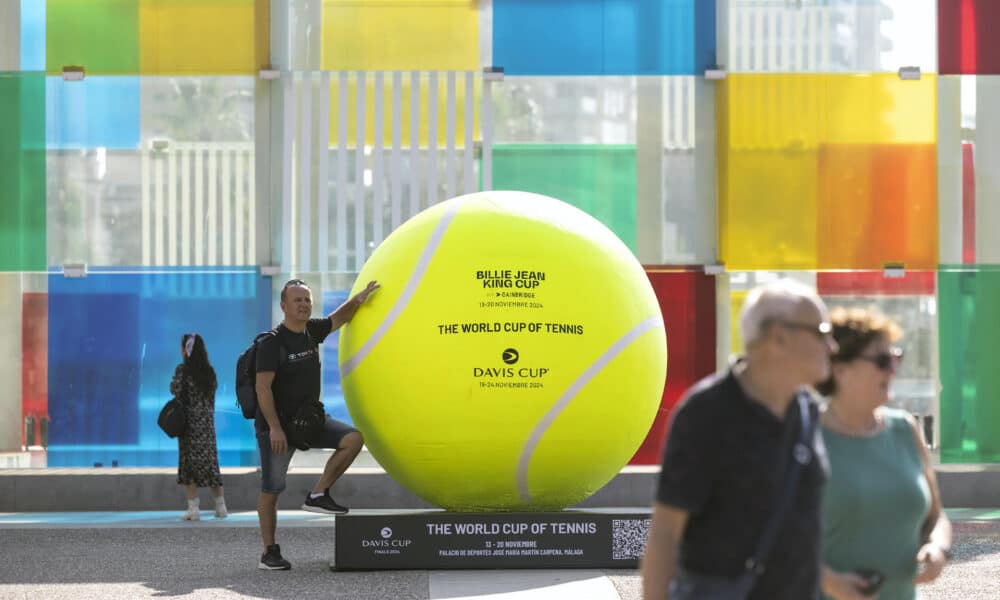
873, 580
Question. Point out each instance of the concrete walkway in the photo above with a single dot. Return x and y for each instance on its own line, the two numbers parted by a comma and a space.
153, 554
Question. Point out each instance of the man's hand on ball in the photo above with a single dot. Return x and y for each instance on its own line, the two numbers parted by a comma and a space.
362, 296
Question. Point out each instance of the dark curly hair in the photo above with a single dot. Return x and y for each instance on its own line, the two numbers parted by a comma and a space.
197, 364
854, 329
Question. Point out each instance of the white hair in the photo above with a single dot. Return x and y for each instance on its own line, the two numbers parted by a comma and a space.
773, 301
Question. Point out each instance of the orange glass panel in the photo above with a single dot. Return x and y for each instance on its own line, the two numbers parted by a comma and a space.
877, 204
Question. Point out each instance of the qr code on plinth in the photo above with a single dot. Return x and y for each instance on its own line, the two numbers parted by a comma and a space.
628, 538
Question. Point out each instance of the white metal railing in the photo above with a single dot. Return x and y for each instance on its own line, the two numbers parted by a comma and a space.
343, 196
198, 203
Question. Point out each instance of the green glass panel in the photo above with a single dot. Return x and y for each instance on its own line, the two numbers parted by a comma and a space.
968, 326
100, 35
598, 179
22, 172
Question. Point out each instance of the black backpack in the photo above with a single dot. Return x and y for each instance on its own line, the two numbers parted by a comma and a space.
246, 375
173, 418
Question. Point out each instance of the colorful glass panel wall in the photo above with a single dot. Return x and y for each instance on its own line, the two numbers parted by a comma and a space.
100, 35
203, 36
600, 180
969, 314
119, 342
167, 37
392, 35
603, 37
22, 172
807, 160
687, 300
98, 112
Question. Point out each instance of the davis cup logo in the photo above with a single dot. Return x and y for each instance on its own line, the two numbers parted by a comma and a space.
386, 533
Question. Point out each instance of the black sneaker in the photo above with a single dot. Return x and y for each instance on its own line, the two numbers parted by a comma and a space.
324, 505
272, 560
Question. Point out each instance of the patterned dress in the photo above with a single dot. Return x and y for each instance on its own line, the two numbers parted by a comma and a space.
198, 456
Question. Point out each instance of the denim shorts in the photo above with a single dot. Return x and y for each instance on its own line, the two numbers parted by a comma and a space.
274, 467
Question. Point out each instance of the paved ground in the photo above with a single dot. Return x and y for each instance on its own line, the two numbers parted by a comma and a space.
134, 555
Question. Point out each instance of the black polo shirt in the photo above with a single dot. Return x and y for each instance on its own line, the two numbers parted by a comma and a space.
297, 375
725, 463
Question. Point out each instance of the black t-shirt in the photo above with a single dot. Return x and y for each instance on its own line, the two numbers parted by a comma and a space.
726, 463
297, 376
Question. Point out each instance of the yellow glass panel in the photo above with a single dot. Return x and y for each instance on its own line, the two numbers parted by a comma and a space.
767, 210
203, 36
775, 136
736, 301
772, 112
406, 103
880, 109
400, 34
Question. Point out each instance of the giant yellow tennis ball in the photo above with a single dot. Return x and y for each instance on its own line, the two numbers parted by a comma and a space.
513, 359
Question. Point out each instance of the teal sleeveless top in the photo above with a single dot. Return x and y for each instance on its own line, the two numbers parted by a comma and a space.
875, 504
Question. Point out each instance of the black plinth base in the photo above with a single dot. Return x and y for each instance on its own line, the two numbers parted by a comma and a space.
430, 539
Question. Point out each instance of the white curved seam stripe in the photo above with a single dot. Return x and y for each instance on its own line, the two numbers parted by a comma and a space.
411, 287
584, 378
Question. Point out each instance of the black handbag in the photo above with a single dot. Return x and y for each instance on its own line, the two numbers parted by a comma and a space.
687, 585
173, 418
304, 429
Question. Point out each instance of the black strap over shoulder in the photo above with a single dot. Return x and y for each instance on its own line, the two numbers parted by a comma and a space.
802, 455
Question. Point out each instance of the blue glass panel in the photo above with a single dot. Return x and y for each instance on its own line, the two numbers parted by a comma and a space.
118, 342
603, 37
100, 111
32, 35
333, 394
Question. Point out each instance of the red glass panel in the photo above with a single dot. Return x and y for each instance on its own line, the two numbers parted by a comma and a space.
966, 44
874, 283
687, 299
35, 360
968, 204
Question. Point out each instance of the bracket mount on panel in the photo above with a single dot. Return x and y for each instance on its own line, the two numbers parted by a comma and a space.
909, 73
493, 73
893, 271
715, 269
716, 73
73, 73
270, 270
269, 72
75, 270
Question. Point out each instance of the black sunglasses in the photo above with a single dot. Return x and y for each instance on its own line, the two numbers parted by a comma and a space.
885, 360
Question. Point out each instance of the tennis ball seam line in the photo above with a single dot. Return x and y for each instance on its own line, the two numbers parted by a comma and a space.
602, 361
408, 290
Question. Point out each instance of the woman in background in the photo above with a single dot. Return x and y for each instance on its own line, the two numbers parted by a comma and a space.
198, 458
884, 530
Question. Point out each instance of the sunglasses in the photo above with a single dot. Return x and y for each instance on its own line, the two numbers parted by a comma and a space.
820, 330
885, 360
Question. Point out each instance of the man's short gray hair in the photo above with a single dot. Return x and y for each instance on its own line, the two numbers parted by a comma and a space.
774, 301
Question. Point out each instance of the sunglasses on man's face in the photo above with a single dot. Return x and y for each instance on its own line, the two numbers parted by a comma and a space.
885, 360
